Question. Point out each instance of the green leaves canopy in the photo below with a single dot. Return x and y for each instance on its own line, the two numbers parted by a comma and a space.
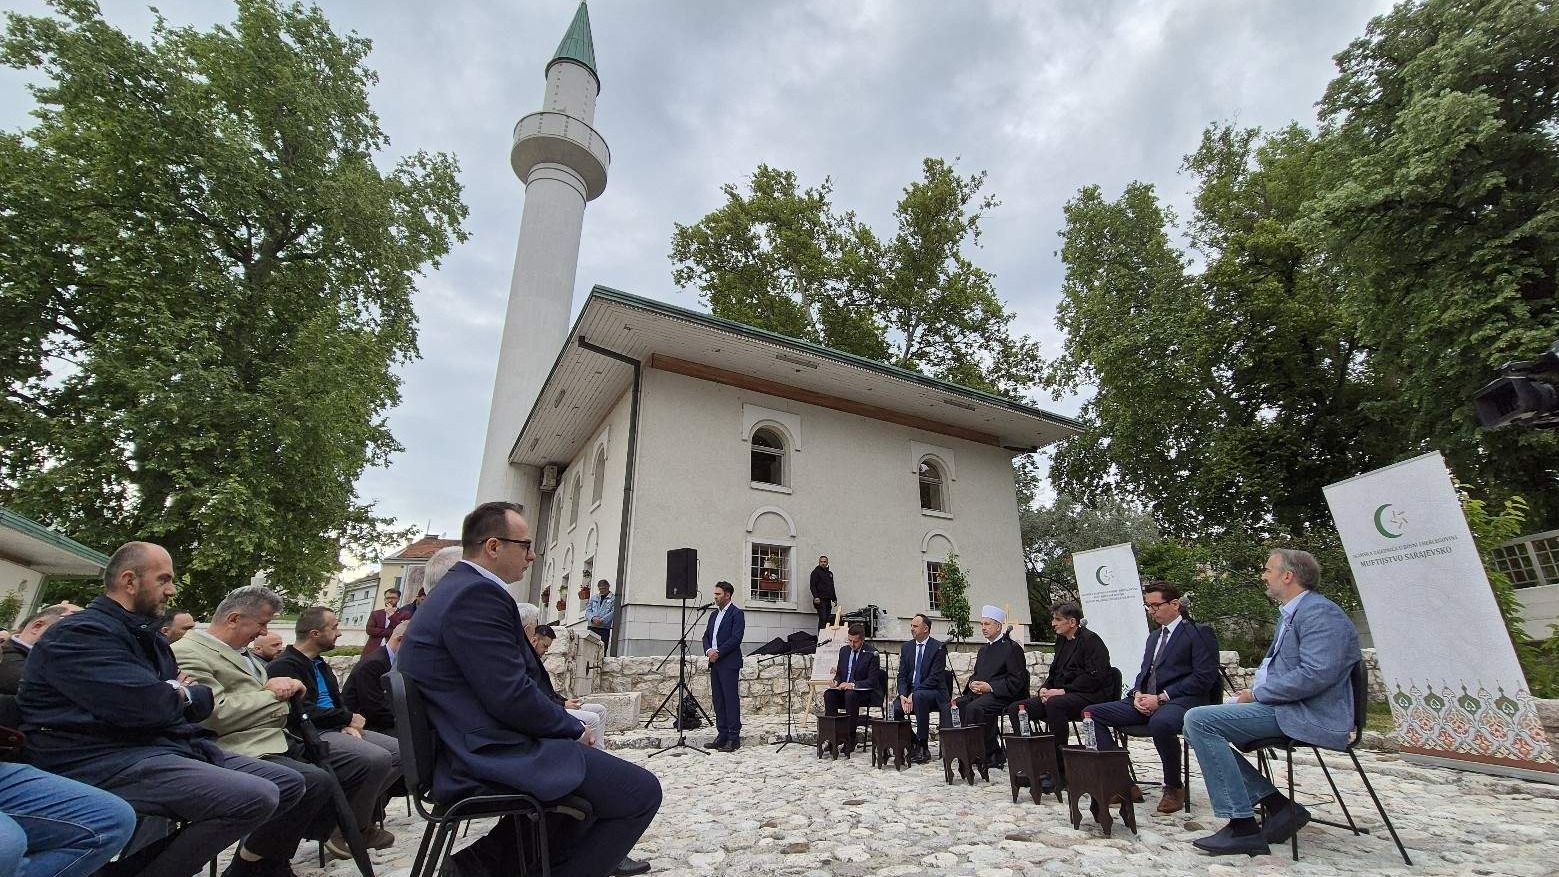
205, 283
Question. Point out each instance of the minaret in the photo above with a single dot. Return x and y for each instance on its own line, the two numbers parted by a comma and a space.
562, 161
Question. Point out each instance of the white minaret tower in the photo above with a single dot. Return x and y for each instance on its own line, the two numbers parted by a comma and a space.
562, 161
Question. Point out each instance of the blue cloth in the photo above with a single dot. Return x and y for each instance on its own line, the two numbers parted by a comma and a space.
1307, 681
865, 670
1233, 786
496, 728
1188, 667
1285, 617
933, 668
733, 629
324, 700
727, 669
51, 826
605, 607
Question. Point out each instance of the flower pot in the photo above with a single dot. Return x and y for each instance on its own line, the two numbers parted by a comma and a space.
562, 604
584, 593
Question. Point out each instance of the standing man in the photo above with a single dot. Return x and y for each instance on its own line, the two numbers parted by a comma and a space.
1179, 672
923, 683
14, 652
858, 679
379, 625
177, 623
823, 594
498, 731
999, 679
1303, 689
600, 610
723, 648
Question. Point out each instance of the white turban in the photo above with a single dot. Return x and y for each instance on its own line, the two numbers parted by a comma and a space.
993, 613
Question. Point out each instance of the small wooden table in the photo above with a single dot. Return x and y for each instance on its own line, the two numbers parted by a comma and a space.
834, 732
1104, 775
966, 746
1028, 760
891, 737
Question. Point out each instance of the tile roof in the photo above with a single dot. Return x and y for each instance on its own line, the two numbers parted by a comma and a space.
422, 549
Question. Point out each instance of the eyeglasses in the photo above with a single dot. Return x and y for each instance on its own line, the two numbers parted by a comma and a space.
525, 543
1151, 606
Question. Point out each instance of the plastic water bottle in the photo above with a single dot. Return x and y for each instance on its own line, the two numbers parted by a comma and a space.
957, 721
1089, 739
1024, 728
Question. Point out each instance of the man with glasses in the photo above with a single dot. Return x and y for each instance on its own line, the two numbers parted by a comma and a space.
498, 730
1179, 671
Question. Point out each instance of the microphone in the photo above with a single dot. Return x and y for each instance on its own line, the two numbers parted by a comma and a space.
706, 606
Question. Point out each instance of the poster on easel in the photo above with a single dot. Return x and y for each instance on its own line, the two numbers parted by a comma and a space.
1111, 593
1457, 692
829, 641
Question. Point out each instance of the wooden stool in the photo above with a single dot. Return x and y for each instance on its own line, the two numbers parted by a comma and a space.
834, 732
891, 737
1104, 775
965, 745
1029, 759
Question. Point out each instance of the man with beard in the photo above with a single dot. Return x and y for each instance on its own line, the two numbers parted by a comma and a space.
1000, 679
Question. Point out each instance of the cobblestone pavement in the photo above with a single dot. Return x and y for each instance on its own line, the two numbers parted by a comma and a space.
759, 812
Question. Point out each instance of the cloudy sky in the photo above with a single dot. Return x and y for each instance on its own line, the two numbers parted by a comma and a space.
1045, 96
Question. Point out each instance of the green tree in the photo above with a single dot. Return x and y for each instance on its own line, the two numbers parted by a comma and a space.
1053, 533
205, 286
1490, 529
781, 258
1443, 138
953, 598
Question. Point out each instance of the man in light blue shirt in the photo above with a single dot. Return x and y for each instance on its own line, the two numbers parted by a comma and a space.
600, 610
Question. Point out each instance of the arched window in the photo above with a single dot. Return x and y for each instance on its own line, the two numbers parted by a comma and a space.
557, 516
933, 486
573, 499
598, 486
768, 456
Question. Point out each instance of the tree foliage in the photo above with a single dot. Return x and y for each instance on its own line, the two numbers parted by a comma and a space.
205, 283
953, 597
780, 257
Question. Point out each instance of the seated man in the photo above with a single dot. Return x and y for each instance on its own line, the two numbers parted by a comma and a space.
367, 762
497, 729
923, 684
592, 714
595, 721
364, 689
1000, 678
13, 653
266, 647
103, 703
858, 680
1179, 672
1302, 690
1079, 677
51, 826
177, 623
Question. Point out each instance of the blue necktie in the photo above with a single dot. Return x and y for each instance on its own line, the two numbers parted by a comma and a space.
849, 673
919, 653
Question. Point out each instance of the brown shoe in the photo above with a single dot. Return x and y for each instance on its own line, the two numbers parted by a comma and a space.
1172, 801
379, 839
1136, 794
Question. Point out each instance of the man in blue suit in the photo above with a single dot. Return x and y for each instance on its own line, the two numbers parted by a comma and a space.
923, 684
1303, 689
1179, 672
498, 731
858, 680
723, 647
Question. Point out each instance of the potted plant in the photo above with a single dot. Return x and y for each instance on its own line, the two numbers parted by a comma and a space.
584, 592
562, 604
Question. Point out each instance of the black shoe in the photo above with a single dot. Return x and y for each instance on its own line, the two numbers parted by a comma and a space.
241, 867
1284, 824
719, 743
732, 745
1047, 786
630, 866
1227, 843
921, 755
463, 864
997, 760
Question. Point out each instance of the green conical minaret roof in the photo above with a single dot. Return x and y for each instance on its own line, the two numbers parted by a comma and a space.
577, 45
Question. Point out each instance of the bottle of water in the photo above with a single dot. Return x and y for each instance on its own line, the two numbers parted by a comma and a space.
1089, 740
958, 722
1024, 728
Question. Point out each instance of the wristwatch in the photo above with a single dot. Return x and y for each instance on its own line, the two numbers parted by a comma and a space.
1163, 697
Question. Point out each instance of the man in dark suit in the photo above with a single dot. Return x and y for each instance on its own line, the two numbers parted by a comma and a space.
379, 625
858, 680
923, 684
723, 647
823, 593
498, 731
364, 689
14, 651
1179, 671
1000, 678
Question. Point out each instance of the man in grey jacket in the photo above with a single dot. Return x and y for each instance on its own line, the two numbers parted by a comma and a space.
1302, 690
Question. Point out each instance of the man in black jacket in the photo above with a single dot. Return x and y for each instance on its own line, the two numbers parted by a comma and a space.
367, 762
823, 594
1000, 677
13, 652
364, 689
103, 702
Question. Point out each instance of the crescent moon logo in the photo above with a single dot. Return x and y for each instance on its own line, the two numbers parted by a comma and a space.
1381, 527
1100, 575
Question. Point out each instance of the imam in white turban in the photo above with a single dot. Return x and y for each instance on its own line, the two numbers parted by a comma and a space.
993, 613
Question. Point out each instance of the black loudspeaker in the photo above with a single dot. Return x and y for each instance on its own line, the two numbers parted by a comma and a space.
682, 574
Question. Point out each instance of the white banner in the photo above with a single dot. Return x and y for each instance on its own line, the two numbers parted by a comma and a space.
1451, 675
1111, 592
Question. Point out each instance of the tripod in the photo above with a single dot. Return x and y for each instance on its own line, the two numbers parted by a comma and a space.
790, 712
680, 691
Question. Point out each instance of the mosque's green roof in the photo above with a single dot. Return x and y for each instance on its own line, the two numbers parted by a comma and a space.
577, 45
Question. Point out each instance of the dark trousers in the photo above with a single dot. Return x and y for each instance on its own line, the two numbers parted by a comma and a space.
921, 703
850, 700
825, 612
218, 804
983, 709
728, 706
365, 768
1164, 725
624, 797
605, 633
1057, 713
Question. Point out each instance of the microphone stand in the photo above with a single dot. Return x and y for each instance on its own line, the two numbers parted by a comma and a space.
681, 688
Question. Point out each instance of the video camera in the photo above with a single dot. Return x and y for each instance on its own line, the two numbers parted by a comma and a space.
1526, 394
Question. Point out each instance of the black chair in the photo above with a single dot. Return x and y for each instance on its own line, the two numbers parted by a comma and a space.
444, 818
1359, 677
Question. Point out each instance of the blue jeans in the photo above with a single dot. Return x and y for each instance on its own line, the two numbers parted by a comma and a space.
54, 827
1233, 785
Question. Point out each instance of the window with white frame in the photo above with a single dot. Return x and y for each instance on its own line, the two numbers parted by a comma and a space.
770, 572
934, 585
933, 486
573, 498
598, 485
557, 516
768, 456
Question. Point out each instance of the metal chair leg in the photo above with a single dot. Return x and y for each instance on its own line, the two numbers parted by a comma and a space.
1378, 808
1293, 842
422, 850
1337, 796
1185, 772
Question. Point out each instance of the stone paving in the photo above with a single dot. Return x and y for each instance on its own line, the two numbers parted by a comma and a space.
760, 812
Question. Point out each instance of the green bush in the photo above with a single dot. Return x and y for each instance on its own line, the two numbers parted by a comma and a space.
344, 651
10, 605
953, 597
